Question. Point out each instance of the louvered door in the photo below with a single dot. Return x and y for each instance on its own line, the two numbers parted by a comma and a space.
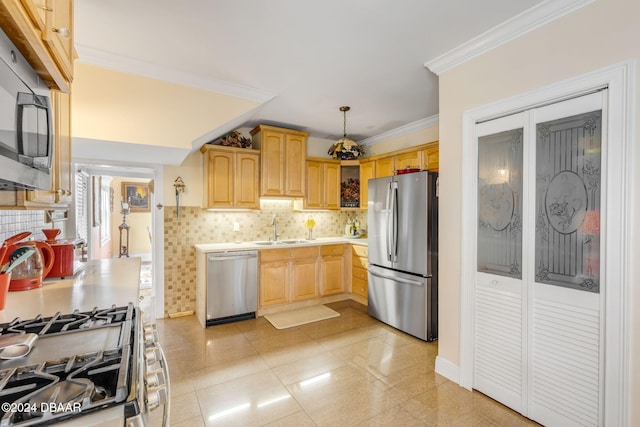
565, 304
538, 317
500, 291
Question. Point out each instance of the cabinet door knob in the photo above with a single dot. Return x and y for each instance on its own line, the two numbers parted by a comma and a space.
64, 32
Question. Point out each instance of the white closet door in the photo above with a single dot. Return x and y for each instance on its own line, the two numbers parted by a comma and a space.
499, 341
538, 327
565, 315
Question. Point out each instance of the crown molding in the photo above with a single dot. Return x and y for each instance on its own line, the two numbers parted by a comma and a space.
403, 130
100, 58
527, 21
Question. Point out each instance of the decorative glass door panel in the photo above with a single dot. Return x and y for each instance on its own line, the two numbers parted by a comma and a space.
500, 203
537, 334
567, 243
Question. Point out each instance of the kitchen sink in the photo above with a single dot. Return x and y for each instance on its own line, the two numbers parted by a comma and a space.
279, 242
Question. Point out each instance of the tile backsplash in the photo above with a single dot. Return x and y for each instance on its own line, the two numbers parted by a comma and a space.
197, 225
15, 221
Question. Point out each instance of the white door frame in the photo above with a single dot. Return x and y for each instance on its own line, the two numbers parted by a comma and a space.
619, 78
155, 172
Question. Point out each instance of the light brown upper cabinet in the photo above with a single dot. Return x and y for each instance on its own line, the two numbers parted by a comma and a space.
367, 172
384, 167
323, 184
431, 157
231, 177
410, 160
43, 32
58, 35
424, 157
62, 176
283, 154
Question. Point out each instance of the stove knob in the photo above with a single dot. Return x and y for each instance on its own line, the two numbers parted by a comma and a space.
151, 356
156, 396
156, 378
150, 334
150, 339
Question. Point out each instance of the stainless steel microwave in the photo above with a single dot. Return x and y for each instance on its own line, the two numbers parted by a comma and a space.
26, 128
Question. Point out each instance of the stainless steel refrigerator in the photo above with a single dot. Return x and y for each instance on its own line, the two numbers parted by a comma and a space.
403, 252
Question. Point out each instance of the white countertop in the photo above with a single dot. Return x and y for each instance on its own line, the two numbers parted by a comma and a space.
241, 246
101, 283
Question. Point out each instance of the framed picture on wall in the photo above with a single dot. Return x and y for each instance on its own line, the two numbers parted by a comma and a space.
137, 195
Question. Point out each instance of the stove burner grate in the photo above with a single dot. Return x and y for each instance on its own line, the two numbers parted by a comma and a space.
61, 323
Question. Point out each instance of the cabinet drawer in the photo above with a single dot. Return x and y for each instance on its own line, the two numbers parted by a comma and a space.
359, 273
288, 253
359, 287
361, 251
360, 262
328, 250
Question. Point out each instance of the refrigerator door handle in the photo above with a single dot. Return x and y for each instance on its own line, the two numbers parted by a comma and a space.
394, 221
380, 274
388, 205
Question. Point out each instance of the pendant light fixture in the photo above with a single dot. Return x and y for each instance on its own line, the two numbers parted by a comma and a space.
346, 142
345, 148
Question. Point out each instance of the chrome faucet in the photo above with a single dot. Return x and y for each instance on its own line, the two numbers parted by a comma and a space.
274, 223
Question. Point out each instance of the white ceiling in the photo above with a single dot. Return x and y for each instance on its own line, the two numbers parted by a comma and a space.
311, 57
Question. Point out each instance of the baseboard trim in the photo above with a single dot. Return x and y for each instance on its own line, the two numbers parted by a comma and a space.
180, 314
448, 369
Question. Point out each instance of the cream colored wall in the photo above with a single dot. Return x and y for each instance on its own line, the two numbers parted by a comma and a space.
138, 222
115, 106
191, 173
603, 33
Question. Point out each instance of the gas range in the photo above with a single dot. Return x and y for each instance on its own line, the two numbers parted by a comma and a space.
103, 366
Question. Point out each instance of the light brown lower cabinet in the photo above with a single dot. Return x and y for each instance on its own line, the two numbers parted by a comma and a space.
360, 272
274, 283
332, 269
288, 275
304, 282
296, 274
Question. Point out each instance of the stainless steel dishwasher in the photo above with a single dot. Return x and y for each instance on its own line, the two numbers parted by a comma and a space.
232, 286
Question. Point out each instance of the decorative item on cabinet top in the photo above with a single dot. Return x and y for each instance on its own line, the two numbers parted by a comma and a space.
234, 139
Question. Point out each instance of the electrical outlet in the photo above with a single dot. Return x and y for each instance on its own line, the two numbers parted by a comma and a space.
236, 226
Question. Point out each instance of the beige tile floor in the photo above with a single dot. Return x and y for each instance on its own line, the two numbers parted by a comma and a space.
349, 370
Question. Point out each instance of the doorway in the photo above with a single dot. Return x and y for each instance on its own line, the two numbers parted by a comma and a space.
116, 214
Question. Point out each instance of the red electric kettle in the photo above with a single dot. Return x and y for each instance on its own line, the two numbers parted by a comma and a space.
30, 273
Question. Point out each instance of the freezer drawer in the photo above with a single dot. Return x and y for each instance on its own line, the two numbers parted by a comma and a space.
404, 301
232, 286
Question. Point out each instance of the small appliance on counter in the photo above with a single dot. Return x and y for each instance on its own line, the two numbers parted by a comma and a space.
29, 274
66, 262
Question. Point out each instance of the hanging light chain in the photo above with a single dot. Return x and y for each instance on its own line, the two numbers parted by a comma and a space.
344, 111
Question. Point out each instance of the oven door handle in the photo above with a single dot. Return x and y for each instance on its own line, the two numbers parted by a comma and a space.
165, 369
159, 393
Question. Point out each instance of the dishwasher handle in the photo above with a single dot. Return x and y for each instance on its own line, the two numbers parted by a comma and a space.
221, 256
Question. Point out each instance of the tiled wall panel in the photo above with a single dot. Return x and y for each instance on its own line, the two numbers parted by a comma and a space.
197, 225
